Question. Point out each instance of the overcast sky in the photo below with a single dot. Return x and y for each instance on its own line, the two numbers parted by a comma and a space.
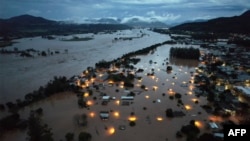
168, 11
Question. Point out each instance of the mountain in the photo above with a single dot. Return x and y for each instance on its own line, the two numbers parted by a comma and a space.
27, 20
24, 21
27, 25
188, 21
109, 21
135, 22
102, 21
235, 24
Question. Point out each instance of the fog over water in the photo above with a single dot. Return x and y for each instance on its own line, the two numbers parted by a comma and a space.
19, 76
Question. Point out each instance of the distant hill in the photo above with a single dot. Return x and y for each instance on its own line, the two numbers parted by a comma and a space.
28, 20
102, 21
135, 22
236, 24
188, 21
27, 25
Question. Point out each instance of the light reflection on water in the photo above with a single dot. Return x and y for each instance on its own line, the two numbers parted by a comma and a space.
60, 110
40, 70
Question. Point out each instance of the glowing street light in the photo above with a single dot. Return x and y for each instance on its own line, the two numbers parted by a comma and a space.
86, 94
117, 102
92, 114
89, 103
188, 107
111, 130
198, 124
116, 114
159, 119
194, 99
132, 118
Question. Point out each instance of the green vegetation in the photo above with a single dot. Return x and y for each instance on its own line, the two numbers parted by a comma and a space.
177, 95
204, 36
191, 131
132, 123
59, 84
81, 102
169, 113
11, 122
126, 59
185, 53
169, 68
84, 136
38, 131
69, 136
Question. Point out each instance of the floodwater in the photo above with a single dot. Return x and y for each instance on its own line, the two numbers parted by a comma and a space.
61, 109
19, 76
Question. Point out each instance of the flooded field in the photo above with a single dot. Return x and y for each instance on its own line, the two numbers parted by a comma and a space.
21, 75
149, 106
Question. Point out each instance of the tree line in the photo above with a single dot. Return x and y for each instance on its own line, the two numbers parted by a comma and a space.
117, 62
185, 53
58, 84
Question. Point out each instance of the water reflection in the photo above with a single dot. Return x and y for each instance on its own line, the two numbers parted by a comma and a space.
57, 116
183, 62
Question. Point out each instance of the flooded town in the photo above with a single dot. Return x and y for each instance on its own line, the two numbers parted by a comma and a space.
138, 92
126, 80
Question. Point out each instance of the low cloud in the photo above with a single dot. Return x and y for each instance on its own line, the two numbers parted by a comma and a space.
33, 12
152, 16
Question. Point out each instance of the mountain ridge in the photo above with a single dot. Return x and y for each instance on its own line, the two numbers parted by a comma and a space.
234, 24
135, 22
28, 26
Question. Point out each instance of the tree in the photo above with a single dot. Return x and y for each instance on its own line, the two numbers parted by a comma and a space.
169, 68
81, 102
69, 136
39, 111
132, 123
177, 95
43, 53
84, 121
211, 96
37, 131
169, 113
191, 131
84, 136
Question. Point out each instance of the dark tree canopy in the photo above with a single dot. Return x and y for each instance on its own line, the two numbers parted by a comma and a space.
37, 131
185, 53
84, 136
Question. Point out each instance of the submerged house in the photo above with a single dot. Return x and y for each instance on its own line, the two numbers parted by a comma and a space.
104, 115
106, 98
213, 126
245, 91
127, 98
